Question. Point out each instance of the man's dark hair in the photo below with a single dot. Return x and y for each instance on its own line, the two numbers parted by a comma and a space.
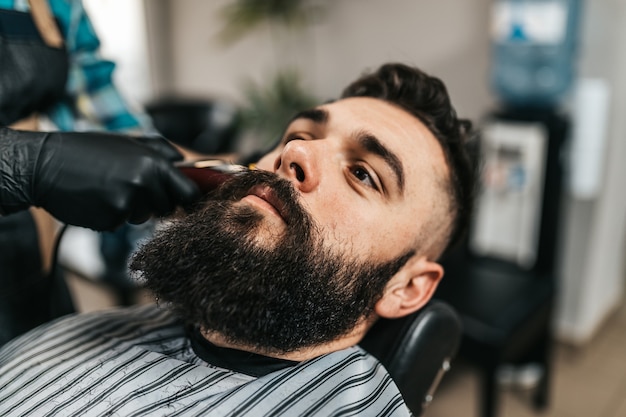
427, 98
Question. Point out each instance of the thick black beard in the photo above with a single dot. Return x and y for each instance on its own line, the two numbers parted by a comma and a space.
294, 295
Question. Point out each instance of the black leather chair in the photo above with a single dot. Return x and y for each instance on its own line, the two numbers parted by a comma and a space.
506, 309
203, 125
416, 350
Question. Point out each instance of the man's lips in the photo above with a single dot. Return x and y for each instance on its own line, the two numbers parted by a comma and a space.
265, 198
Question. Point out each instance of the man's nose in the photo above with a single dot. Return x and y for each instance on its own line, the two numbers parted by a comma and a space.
298, 163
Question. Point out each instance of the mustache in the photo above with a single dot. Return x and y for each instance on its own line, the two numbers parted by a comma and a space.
282, 189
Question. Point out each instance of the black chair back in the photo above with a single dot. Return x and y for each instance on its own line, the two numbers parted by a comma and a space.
416, 350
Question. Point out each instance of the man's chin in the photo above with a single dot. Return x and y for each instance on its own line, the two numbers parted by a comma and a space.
266, 238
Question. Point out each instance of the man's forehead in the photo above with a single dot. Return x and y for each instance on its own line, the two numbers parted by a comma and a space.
366, 112
394, 126
315, 114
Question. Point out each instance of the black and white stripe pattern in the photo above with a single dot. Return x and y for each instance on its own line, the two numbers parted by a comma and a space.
138, 361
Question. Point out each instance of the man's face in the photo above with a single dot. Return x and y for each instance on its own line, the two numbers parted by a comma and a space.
370, 175
299, 256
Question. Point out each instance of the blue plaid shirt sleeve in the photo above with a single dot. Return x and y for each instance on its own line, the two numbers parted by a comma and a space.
92, 101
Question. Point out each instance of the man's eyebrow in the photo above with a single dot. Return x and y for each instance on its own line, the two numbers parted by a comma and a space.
319, 116
372, 144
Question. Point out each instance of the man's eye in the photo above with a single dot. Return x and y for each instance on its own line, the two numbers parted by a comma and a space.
364, 176
293, 136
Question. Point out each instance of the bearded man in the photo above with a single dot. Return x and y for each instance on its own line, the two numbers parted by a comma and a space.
265, 290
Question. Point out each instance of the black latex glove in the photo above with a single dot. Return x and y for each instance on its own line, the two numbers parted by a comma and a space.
161, 145
94, 180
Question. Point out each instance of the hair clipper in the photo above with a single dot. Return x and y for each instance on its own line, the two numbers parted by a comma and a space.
208, 174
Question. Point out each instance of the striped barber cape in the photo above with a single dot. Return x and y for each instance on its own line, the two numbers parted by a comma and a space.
139, 361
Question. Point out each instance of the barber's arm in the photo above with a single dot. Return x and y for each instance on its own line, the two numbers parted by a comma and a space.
94, 180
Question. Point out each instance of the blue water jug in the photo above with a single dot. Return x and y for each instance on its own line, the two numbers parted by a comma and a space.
534, 46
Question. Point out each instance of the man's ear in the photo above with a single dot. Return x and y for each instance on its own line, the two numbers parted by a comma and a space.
410, 288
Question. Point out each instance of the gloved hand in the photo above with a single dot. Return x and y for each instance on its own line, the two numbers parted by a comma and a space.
94, 180
161, 145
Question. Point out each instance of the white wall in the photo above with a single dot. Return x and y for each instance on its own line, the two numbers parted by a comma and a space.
592, 279
120, 26
158, 30
447, 38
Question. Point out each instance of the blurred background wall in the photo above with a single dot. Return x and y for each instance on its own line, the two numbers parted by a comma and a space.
447, 37
176, 51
